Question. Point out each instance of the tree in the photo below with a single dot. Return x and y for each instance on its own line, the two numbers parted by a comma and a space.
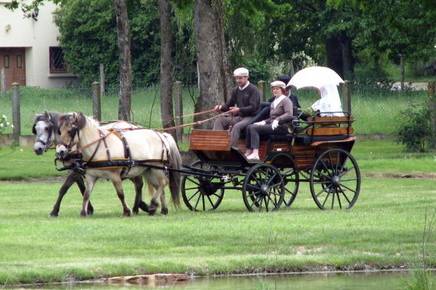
166, 65
125, 63
211, 53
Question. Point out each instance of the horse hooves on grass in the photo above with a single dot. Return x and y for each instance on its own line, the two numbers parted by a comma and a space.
135, 211
83, 213
152, 210
164, 211
127, 213
54, 214
90, 210
142, 205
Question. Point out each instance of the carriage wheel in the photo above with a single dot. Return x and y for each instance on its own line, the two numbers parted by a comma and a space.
335, 180
290, 176
263, 188
201, 193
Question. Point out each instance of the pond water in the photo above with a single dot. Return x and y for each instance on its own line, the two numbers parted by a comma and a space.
355, 281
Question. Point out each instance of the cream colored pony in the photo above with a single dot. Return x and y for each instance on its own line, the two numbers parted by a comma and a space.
99, 144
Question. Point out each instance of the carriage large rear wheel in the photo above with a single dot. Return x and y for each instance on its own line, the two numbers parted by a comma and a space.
291, 178
263, 188
335, 180
201, 193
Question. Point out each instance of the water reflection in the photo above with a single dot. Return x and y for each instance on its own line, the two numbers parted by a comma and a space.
355, 281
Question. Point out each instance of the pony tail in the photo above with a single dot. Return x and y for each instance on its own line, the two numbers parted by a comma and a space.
175, 162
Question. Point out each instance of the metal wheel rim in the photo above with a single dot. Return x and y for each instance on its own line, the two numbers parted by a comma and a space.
256, 199
194, 198
330, 180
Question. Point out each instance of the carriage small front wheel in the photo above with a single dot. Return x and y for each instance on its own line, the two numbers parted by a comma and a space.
291, 179
335, 180
201, 193
263, 188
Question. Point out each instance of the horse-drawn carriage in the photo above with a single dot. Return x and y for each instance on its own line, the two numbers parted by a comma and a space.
316, 151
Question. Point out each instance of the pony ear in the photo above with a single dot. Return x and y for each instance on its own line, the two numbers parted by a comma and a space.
80, 120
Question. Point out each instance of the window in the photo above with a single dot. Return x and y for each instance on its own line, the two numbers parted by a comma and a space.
57, 62
19, 61
6, 61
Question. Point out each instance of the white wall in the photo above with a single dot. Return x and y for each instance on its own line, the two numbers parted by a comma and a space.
37, 37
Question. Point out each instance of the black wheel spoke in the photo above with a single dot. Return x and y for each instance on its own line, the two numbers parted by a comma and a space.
339, 200
325, 200
343, 193
193, 181
204, 204
333, 200
192, 196
211, 203
319, 193
348, 188
198, 199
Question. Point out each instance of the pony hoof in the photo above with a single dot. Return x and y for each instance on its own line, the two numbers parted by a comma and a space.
143, 206
135, 211
54, 214
152, 210
127, 213
83, 213
164, 211
90, 210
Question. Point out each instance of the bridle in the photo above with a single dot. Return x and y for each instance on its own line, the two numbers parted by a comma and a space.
50, 128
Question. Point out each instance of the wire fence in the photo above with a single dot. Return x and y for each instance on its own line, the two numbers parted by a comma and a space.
375, 111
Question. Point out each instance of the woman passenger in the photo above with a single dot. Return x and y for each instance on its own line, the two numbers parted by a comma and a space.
280, 113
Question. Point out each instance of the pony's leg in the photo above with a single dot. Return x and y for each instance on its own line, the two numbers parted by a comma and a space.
81, 184
164, 208
153, 203
117, 182
158, 180
62, 191
139, 203
90, 182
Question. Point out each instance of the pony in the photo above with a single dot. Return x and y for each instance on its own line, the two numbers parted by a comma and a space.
144, 151
45, 128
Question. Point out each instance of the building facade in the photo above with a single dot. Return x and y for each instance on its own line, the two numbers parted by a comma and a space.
29, 49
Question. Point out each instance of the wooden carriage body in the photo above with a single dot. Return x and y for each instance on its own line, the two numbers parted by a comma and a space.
316, 151
318, 135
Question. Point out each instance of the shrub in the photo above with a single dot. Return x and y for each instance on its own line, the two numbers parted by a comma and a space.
415, 129
4, 124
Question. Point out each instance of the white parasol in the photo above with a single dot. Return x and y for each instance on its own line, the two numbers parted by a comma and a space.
315, 77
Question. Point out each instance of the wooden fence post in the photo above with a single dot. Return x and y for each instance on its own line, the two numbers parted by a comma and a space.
346, 96
96, 101
178, 110
261, 88
16, 132
102, 80
2, 81
432, 106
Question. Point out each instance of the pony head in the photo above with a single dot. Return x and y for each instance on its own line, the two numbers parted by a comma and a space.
43, 129
69, 127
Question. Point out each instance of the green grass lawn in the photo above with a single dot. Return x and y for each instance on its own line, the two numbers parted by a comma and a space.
376, 112
373, 156
384, 229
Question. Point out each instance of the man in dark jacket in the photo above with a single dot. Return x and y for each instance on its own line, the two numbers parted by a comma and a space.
241, 107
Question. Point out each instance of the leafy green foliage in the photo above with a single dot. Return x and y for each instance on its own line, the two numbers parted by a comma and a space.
415, 129
88, 36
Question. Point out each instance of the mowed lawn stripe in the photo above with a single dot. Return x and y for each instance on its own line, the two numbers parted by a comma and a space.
383, 230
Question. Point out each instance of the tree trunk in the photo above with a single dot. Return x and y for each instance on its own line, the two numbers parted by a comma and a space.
166, 66
125, 63
347, 57
211, 54
334, 55
402, 71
